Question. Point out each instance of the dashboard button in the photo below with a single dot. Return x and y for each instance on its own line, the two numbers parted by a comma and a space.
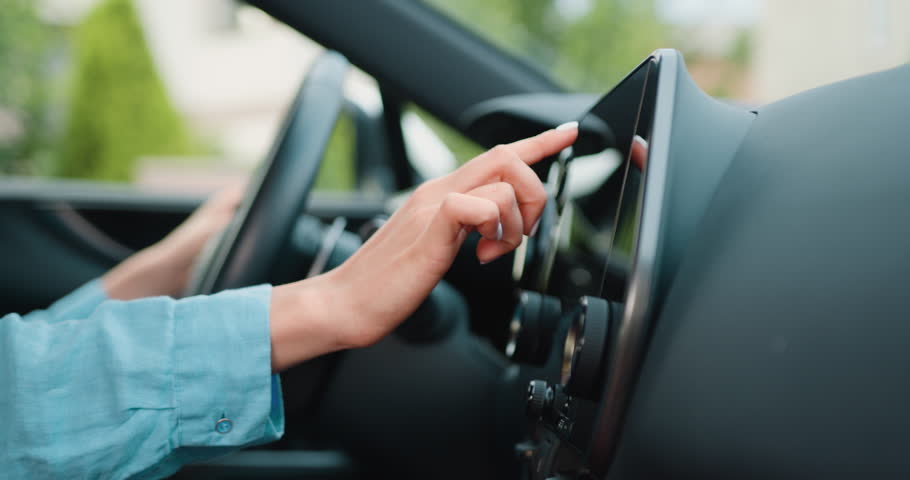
537, 398
533, 327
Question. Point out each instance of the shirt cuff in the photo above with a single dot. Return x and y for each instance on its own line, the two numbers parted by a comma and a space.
225, 392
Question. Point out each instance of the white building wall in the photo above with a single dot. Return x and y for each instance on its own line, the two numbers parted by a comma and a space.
231, 72
800, 44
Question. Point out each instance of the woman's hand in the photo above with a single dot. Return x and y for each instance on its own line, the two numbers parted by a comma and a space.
497, 194
164, 268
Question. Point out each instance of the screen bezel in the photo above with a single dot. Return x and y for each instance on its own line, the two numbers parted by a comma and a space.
631, 333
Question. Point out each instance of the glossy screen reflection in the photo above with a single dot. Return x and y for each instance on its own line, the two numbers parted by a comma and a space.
621, 121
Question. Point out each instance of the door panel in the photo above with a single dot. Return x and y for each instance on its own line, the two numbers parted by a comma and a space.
57, 235
42, 257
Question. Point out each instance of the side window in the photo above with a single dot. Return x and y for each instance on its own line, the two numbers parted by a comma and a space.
337, 171
168, 96
433, 147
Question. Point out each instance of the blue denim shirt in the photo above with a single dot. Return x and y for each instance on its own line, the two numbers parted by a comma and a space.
99, 388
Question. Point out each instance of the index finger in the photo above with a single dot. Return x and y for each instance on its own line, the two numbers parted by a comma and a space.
534, 149
510, 163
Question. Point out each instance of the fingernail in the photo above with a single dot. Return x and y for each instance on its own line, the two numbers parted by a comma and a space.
534, 228
640, 141
568, 126
499, 231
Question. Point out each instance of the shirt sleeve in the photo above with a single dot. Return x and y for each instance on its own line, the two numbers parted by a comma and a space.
113, 389
78, 304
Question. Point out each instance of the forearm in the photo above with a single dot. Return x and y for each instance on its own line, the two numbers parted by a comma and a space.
148, 273
164, 268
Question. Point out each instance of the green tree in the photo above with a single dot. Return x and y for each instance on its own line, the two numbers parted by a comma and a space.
23, 86
600, 48
119, 109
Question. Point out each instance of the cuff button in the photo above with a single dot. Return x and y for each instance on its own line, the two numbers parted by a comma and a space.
224, 425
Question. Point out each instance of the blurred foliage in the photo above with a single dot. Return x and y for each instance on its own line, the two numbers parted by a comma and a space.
119, 109
23, 87
584, 44
741, 50
602, 47
337, 170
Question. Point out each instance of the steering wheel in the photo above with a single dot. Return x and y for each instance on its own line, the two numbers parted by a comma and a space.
253, 243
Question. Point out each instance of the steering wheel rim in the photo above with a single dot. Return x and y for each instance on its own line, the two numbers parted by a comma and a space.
250, 247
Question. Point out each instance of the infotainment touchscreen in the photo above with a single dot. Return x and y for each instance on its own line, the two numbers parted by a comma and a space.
610, 257
619, 126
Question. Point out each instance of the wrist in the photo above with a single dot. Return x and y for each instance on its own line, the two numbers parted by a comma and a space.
304, 321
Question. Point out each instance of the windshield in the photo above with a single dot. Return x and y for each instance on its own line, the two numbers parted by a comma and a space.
748, 51
582, 44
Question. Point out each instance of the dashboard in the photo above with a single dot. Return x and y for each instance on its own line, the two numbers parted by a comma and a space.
728, 300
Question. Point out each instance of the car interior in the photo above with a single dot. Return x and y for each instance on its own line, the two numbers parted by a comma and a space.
713, 294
